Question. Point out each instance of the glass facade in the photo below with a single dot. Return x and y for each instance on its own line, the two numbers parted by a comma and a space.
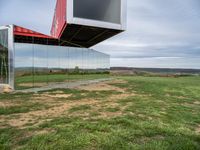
40, 65
4, 57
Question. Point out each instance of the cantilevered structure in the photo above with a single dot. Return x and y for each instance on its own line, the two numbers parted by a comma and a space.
29, 56
88, 22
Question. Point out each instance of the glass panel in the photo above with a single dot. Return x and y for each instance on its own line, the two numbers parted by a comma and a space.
40, 65
92, 60
4, 68
89, 62
107, 63
23, 66
101, 10
84, 60
64, 63
54, 64
67, 63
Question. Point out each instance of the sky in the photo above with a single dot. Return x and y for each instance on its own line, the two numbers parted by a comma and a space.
160, 34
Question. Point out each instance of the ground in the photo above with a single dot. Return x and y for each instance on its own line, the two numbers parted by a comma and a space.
127, 112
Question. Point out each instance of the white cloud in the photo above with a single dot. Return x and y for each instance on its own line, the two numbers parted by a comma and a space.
156, 29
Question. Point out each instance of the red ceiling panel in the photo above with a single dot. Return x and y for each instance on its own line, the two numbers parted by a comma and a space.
26, 32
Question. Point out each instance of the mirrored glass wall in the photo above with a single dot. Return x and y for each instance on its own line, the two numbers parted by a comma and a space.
40, 65
4, 67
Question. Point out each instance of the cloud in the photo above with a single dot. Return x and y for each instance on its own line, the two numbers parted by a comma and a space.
159, 33
36, 15
158, 29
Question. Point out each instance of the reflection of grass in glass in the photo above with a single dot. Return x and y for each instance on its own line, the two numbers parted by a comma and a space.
3, 65
3, 56
55, 78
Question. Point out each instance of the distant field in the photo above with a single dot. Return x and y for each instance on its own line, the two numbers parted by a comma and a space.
156, 113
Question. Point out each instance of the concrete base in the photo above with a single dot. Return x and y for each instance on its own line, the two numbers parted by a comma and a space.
5, 88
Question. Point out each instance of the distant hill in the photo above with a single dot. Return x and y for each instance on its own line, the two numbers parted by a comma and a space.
162, 71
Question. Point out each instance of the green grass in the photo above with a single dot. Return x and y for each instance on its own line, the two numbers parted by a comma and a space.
113, 109
23, 108
162, 114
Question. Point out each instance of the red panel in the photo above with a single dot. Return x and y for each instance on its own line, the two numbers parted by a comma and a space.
26, 32
59, 20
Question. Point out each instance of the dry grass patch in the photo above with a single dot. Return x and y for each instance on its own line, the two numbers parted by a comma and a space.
107, 115
58, 95
43, 131
37, 117
54, 92
60, 108
121, 96
118, 81
31, 84
103, 86
50, 98
192, 104
181, 97
197, 103
197, 129
96, 113
109, 108
8, 103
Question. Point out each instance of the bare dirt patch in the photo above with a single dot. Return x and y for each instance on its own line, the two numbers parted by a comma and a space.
31, 84
192, 104
100, 108
61, 108
103, 86
99, 113
197, 130
55, 92
121, 96
108, 115
58, 95
44, 131
8, 104
50, 100
4, 88
50, 97
181, 97
197, 102
117, 81
37, 117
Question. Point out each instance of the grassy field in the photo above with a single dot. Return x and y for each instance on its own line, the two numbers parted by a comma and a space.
155, 113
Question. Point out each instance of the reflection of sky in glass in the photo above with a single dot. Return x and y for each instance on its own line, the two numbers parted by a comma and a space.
102, 10
3, 40
43, 56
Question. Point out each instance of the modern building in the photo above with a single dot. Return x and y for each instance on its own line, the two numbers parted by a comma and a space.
32, 59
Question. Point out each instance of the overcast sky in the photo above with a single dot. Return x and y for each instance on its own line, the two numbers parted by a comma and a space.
160, 33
